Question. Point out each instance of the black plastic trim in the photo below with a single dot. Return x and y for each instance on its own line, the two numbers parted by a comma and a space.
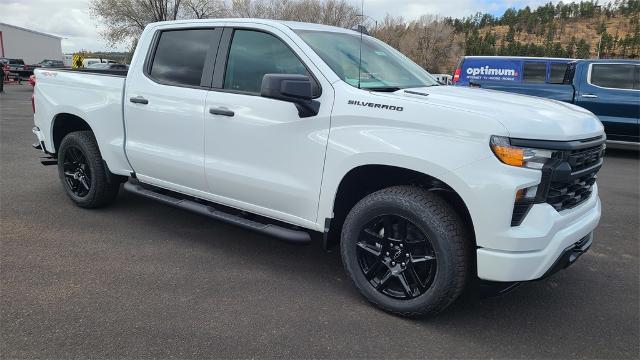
569, 256
103, 72
293, 236
559, 145
221, 59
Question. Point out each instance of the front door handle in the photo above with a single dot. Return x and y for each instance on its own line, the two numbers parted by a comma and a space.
139, 100
591, 96
221, 111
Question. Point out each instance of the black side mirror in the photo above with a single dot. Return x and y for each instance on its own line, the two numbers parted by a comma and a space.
296, 89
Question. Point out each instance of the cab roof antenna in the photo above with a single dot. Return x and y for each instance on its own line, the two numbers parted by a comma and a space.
360, 29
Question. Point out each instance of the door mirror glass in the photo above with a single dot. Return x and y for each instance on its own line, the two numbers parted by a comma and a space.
297, 89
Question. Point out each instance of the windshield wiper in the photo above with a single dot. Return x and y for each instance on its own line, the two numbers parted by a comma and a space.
383, 88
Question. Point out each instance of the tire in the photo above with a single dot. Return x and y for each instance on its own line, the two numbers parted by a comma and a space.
87, 181
432, 268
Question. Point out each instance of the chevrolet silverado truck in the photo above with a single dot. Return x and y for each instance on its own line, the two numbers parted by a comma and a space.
303, 131
610, 88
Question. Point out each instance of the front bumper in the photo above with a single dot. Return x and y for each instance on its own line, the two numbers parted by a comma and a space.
559, 232
570, 255
530, 249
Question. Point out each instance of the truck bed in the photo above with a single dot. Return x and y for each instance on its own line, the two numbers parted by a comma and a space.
95, 96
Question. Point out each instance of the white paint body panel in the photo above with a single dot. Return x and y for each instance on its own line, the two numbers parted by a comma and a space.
268, 160
95, 98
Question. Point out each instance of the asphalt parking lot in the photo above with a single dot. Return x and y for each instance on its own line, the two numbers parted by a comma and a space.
140, 280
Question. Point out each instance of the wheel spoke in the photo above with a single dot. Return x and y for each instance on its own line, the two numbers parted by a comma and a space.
69, 174
370, 236
373, 270
419, 259
382, 284
84, 183
369, 248
405, 285
411, 272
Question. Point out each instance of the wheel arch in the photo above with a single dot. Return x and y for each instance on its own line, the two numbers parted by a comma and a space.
65, 123
363, 180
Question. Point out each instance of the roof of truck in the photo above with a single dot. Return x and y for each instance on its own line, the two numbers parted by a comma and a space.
517, 57
618, 61
293, 25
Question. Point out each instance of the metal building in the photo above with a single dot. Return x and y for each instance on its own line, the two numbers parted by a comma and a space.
31, 46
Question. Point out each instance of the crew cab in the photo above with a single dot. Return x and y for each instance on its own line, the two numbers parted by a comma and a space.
610, 88
304, 131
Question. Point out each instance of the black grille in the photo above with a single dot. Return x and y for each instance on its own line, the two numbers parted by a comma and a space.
585, 158
567, 179
520, 210
564, 196
566, 192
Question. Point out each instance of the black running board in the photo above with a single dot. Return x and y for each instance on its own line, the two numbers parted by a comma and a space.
289, 235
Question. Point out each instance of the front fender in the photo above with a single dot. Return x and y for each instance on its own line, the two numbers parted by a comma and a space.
428, 153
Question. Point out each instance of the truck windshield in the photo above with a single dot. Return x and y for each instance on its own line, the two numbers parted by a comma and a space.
383, 68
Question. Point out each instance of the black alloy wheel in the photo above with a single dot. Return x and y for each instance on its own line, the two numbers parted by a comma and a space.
406, 250
84, 174
77, 173
396, 257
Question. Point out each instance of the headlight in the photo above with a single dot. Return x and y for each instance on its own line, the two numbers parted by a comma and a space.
519, 156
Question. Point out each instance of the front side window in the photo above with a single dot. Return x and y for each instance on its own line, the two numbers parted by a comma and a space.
180, 56
616, 76
252, 55
534, 72
365, 62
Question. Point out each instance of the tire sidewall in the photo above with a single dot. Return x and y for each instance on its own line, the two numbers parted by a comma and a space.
427, 222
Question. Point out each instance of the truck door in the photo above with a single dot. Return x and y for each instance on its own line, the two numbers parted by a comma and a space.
610, 92
260, 155
165, 107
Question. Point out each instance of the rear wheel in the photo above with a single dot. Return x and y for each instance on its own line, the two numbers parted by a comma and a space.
84, 176
405, 250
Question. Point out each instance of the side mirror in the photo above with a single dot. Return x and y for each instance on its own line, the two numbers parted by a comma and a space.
296, 89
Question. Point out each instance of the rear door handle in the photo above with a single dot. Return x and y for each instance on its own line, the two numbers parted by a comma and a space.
221, 111
139, 100
591, 96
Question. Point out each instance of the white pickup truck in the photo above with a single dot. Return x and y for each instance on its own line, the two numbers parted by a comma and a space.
295, 130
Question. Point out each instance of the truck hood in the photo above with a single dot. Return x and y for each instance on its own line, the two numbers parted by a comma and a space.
523, 116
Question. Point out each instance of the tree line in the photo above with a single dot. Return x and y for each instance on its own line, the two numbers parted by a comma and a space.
549, 22
435, 43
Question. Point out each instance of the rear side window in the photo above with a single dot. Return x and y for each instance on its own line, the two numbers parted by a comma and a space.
615, 76
534, 72
556, 72
180, 56
252, 55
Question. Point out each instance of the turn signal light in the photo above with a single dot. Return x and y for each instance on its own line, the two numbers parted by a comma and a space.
509, 155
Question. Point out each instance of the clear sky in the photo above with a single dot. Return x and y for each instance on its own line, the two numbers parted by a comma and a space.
71, 19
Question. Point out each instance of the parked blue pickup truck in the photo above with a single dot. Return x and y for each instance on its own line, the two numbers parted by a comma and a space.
608, 88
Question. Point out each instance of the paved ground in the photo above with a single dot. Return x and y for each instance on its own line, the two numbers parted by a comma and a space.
140, 279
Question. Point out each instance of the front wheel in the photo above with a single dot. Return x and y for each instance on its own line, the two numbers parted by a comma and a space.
84, 176
406, 251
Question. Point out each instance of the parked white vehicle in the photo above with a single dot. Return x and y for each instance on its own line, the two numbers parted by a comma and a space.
444, 79
426, 187
90, 61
